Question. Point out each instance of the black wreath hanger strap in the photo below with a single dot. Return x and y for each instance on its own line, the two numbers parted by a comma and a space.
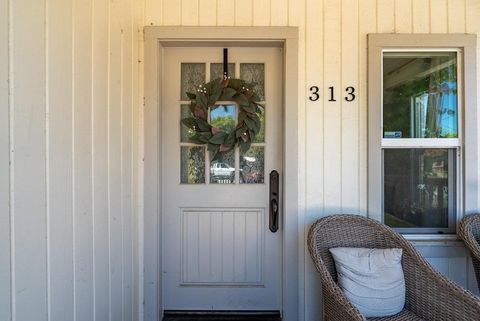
215, 94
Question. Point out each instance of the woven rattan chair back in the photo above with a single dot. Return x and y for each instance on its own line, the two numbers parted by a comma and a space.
429, 295
469, 231
350, 231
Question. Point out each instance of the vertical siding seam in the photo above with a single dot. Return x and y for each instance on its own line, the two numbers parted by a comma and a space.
73, 165
411, 14
234, 13
47, 161
376, 15
288, 15
270, 13
251, 13
341, 106
11, 102
122, 211
448, 16
198, 12
430, 16
109, 40
465, 16
303, 265
323, 103
359, 111
133, 64
92, 146
394, 17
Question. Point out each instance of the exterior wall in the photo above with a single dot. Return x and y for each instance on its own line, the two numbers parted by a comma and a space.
333, 52
68, 160
69, 118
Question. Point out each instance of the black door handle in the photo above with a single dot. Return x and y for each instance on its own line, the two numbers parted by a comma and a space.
274, 198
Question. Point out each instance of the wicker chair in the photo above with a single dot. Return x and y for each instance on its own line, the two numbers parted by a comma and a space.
469, 231
429, 295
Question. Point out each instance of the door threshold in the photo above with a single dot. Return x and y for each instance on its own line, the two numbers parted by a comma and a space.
175, 315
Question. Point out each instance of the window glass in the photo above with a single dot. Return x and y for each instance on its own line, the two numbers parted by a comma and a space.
420, 95
192, 166
418, 187
222, 170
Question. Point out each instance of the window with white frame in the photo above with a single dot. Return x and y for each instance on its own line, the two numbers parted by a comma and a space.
420, 134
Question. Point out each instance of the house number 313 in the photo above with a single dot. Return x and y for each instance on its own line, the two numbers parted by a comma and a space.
349, 93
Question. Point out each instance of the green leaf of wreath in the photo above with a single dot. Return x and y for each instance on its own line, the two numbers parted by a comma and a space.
202, 101
203, 125
235, 83
190, 122
228, 94
191, 95
242, 100
218, 139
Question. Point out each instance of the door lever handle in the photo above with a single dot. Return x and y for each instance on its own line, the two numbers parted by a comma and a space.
274, 201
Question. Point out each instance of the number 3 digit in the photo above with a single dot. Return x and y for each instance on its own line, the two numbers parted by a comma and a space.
315, 96
350, 92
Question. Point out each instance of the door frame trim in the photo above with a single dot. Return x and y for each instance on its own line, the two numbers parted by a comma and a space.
158, 37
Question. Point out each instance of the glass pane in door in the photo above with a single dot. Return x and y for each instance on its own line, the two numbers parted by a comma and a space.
192, 164
252, 165
216, 70
254, 73
192, 76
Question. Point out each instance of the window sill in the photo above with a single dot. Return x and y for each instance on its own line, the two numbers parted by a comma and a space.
434, 238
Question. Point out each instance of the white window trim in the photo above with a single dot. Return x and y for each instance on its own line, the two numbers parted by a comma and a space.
468, 169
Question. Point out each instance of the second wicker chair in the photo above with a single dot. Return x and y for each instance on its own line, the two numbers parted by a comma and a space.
429, 295
469, 231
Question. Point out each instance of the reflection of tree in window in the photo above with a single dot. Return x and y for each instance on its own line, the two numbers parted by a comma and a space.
192, 166
252, 165
223, 117
196, 166
260, 138
420, 96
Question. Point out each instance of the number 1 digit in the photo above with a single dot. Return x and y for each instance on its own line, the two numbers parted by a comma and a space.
332, 98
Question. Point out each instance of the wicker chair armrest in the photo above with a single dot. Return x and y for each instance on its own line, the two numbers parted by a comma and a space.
336, 307
468, 236
432, 296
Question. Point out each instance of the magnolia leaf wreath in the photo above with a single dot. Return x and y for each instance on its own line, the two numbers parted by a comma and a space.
222, 140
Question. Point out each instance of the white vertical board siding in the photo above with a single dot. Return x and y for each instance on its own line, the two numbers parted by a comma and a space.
226, 13
332, 52
5, 277
366, 24
82, 160
350, 109
68, 145
438, 15
115, 161
28, 143
207, 12
314, 188
243, 12
421, 16
128, 225
100, 100
60, 165
190, 12
332, 107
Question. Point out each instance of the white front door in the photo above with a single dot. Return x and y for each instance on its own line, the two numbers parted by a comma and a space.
218, 251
